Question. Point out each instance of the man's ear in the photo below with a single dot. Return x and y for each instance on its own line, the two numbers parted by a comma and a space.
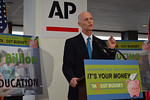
79, 23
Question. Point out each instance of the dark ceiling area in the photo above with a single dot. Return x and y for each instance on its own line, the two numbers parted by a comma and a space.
120, 15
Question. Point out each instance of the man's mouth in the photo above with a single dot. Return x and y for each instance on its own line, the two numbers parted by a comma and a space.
90, 25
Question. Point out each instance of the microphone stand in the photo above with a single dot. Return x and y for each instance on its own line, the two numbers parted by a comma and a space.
104, 49
116, 51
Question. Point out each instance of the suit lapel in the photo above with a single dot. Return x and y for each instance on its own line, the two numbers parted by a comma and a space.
94, 53
83, 47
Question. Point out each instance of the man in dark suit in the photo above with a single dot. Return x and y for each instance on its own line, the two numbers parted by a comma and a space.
76, 51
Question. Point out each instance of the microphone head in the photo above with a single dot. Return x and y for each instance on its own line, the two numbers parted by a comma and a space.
98, 43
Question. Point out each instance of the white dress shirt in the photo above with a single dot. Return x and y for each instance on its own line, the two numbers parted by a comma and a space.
85, 38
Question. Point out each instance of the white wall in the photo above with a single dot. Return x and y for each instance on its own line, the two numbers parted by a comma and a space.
54, 83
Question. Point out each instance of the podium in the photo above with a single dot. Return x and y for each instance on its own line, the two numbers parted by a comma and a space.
96, 85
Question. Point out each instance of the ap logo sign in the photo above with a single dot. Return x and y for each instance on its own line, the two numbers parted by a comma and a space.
56, 10
60, 17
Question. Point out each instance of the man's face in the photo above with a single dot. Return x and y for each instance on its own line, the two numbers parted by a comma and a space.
86, 21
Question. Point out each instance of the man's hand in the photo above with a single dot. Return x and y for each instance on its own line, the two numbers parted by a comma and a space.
112, 42
74, 82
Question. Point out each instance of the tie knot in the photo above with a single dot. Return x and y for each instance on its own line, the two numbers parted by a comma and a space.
88, 38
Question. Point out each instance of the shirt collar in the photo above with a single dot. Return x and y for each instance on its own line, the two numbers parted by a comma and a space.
85, 37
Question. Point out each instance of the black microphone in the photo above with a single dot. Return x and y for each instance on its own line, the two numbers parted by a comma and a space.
104, 49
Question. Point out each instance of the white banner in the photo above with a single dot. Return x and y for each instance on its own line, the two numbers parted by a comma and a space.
60, 18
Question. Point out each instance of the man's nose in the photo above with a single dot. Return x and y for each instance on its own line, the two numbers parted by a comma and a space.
89, 21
